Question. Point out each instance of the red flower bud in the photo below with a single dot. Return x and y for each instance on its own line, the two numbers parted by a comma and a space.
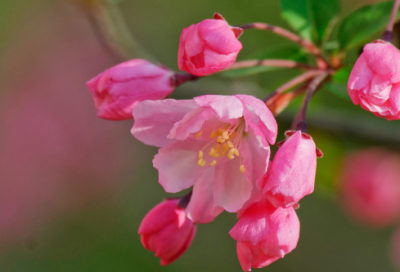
167, 231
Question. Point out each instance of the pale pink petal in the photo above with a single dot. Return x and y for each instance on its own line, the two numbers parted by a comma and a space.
214, 61
381, 58
292, 173
177, 165
225, 107
395, 98
201, 208
361, 74
379, 90
261, 116
155, 119
231, 188
190, 123
219, 36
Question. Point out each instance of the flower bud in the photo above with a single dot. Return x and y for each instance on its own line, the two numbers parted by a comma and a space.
292, 172
167, 231
264, 234
374, 82
208, 47
117, 90
370, 187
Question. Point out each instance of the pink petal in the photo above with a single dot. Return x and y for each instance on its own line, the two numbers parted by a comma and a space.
177, 165
383, 58
292, 173
201, 208
244, 255
225, 107
231, 188
261, 116
190, 123
155, 119
395, 99
361, 74
215, 61
160, 216
219, 36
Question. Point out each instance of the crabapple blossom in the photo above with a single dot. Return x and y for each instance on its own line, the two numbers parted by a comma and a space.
370, 187
208, 46
167, 231
217, 144
264, 234
292, 172
117, 90
374, 82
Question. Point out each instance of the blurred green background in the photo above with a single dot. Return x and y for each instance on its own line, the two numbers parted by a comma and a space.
56, 215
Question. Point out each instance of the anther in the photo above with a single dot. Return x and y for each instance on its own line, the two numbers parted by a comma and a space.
242, 169
213, 134
220, 139
214, 162
225, 135
201, 162
225, 147
199, 134
230, 145
200, 154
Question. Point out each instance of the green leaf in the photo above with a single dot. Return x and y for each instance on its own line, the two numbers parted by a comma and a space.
358, 27
338, 86
311, 18
287, 52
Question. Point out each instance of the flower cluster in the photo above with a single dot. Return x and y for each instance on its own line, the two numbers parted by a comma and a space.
217, 145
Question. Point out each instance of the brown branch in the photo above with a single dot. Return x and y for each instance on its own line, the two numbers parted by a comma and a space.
295, 81
299, 122
269, 62
308, 45
279, 102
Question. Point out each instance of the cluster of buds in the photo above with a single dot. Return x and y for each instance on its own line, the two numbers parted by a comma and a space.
219, 145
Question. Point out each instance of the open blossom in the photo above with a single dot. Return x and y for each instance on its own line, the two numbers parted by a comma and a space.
167, 231
370, 187
208, 47
117, 90
264, 234
292, 172
217, 144
374, 82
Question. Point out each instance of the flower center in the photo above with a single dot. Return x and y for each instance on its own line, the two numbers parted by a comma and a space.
226, 142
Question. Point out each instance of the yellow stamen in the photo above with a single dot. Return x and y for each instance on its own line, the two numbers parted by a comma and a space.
220, 139
199, 134
225, 147
214, 162
220, 131
201, 162
242, 169
201, 154
225, 135
236, 152
213, 134
230, 145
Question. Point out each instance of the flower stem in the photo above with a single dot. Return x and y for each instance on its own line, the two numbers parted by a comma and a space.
295, 81
270, 62
180, 78
308, 45
184, 201
388, 34
279, 102
299, 122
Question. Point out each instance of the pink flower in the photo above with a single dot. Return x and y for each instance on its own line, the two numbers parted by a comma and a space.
167, 231
117, 90
370, 187
374, 82
218, 144
208, 47
292, 172
264, 234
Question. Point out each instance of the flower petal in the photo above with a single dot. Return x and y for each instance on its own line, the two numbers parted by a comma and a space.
177, 165
231, 188
225, 107
155, 119
201, 208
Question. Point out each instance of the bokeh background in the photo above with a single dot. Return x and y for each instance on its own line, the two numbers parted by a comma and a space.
74, 188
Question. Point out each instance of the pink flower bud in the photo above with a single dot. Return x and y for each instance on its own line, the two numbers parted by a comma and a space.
374, 82
370, 187
264, 234
208, 47
117, 90
167, 231
292, 172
